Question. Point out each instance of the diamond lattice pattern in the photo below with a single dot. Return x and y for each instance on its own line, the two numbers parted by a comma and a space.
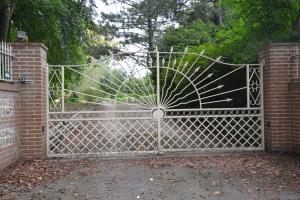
79, 136
100, 137
211, 132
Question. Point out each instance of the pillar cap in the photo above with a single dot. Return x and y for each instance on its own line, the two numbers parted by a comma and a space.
280, 44
37, 44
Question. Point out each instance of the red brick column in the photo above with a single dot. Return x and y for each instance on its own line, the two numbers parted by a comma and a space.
294, 88
279, 69
30, 62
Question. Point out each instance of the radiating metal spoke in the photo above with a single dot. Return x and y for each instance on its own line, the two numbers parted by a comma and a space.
230, 91
125, 111
190, 68
213, 89
194, 91
149, 106
175, 89
151, 101
166, 76
182, 103
123, 83
193, 80
218, 101
108, 99
222, 77
91, 78
214, 62
144, 84
182, 57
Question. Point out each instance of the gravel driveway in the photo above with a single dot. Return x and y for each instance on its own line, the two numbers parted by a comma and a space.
236, 176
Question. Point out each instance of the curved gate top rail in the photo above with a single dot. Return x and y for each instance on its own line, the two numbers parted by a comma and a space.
151, 102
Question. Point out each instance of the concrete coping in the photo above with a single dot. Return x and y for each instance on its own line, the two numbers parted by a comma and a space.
9, 86
37, 44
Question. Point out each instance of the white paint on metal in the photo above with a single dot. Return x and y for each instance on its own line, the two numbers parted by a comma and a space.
6, 58
187, 107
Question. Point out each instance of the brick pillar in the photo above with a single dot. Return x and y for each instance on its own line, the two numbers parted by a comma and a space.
294, 88
30, 62
279, 69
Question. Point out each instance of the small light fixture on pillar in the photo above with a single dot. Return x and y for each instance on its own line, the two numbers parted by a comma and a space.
23, 80
22, 36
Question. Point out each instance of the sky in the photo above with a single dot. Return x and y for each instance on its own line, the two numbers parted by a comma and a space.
115, 8
102, 7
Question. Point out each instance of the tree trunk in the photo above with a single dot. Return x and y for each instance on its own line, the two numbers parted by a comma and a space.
220, 13
150, 36
6, 11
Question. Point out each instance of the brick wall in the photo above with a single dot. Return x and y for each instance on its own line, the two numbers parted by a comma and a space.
294, 89
281, 123
30, 62
9, 143
23, 107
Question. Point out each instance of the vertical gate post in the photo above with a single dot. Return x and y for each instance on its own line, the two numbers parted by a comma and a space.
62, 88
281, 104
248, 83
158, 97
30, 72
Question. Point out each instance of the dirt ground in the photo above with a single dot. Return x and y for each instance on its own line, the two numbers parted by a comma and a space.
235, 176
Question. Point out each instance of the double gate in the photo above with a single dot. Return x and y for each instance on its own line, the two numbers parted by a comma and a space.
154, 102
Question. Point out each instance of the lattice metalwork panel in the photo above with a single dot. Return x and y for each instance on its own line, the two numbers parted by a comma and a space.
211, 132
154, 101
102, 137
213, 112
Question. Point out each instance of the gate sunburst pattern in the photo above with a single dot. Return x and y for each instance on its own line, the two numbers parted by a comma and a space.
149, 102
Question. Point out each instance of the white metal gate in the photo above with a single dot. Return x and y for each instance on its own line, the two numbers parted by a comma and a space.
154, 102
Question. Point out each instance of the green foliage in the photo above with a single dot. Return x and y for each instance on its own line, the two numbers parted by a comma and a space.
196, 34
248, 25
142, 22
233, 29
99, 80
255, 23
100, 45
208, 11
60, 24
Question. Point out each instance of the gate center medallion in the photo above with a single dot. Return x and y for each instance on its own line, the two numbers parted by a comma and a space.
158, 113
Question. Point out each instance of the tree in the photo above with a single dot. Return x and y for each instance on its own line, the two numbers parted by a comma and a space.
255, 23
142, 22
100, 45
246, 26
6, 10
195, 34
62, 25
209, 11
